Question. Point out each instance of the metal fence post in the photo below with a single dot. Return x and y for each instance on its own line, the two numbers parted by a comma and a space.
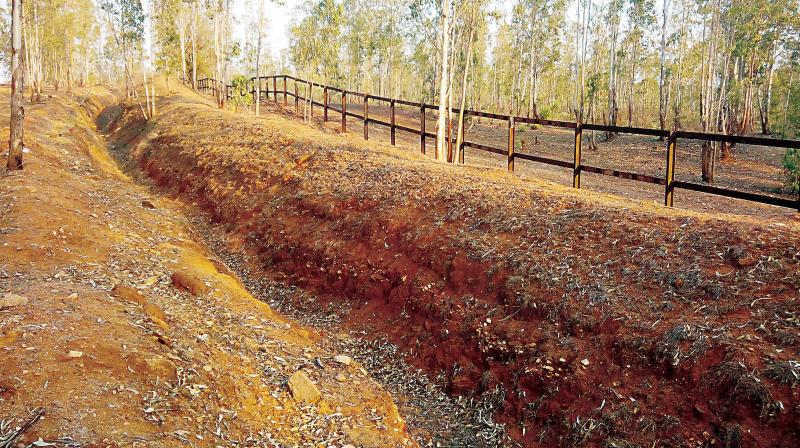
391, 123
366, 117
344, 112
511, 144
422, 129
669, 188
576, 163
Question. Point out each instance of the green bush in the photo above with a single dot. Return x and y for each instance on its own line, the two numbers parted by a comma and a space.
241, 95
545, 113
791, 169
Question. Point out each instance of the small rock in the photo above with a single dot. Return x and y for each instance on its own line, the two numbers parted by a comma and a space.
185, 280
73, 296
8, 339
74, 354
746, 259
148, 204
163, 367
343, 359
341, 378
128, 294
8, 300
303, 390
585, 362
154, 311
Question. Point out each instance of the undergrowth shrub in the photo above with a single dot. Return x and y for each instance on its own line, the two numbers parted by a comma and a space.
791, 169
242, 96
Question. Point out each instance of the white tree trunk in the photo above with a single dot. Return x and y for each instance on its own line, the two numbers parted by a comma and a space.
441, 124
16, 131
662, 95
258, 55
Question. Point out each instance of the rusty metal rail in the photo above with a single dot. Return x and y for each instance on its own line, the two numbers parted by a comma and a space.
210, 85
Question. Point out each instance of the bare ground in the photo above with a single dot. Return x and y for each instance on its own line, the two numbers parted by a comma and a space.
123, 330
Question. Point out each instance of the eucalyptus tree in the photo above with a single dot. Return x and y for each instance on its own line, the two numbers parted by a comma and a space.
663, 94
16, 130
315, 43
641, 17
614, 16
125, 19
259, 26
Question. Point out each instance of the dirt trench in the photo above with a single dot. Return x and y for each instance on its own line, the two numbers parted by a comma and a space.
119, 328
574, 322
432, 417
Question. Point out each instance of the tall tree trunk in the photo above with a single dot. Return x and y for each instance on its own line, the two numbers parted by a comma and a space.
441, 123
146, 89
767, 101
679, 82
38, 75
455, 40
16, 133
576, 94
218, 57
786, 104
194, 45
532, 112
612, 69
258, 56
68, 72
662, 95
462, 105
182, 37
583, 57
631, 81
709, 149
725, 113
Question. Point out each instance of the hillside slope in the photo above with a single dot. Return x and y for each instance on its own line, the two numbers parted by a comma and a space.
124, 331
584, 320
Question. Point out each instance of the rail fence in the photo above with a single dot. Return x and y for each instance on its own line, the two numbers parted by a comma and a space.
270, 88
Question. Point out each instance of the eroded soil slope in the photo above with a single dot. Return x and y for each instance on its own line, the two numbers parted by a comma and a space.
123, 330
585, 320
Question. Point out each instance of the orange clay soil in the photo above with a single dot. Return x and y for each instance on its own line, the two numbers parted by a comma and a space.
585, 319
126, 332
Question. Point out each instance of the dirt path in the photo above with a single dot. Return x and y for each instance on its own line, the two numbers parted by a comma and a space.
580, 319
120, 326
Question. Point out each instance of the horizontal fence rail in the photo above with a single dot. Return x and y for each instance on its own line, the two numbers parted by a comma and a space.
280, 90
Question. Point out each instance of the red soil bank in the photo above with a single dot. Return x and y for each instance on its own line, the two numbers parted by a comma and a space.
588, 321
